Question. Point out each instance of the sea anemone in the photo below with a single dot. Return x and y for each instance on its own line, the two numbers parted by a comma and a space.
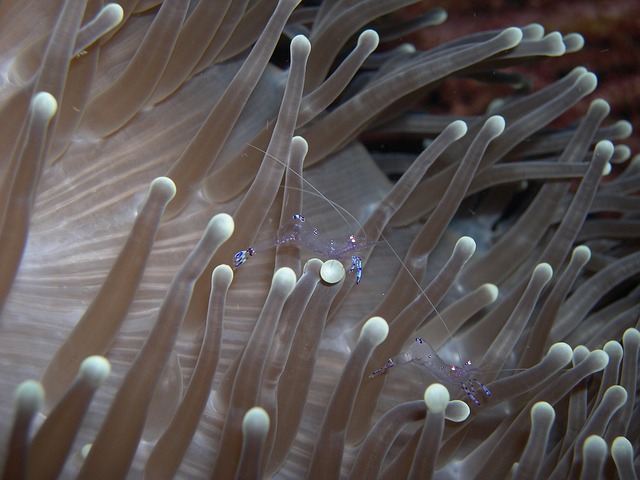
145, 144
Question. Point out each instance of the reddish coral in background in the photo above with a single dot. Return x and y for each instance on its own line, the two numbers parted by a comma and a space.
612, 36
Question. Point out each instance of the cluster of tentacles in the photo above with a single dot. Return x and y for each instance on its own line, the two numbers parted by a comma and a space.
134, 349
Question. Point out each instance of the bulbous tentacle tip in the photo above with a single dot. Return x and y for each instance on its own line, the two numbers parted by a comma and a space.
220, 228
601, 358
631, 335
375, 330
555, 44
332, 271
604, 148
29, 396
543, 411
587, 82
369, 39
533, 31
300, 45
300, 143
114, 12
496, 125
458, 128
573, 42
256, 421
581, 253
94, 370
617, 395
436, 397
164, 185
544, 271
222, 276
44, 105
512, 36
594, 447
457, 411
466, 245
621, 449
613, 348
438, 15
599, 107
491, 290
284, 279
562, 350
313, 264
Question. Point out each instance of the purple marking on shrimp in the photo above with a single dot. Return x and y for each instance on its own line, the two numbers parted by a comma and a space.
242, 256
421, 353
303, 234
356, 265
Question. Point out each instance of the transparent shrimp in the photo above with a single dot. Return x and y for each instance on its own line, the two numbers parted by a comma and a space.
303, 234
421, 353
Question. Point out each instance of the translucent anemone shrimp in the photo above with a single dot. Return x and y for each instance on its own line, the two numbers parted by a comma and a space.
421, 353
304, 235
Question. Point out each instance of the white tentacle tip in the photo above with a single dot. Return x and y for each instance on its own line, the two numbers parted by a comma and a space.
436, 397
543, 411
587, 83
604, 148
621, 447
332, 271
94, 370
496, 124
616, 395
220, 227
44, 105
222, 276
29, 396
255, 422
115, 13
284, 279
555, 44
491, 291
313, 264
573, 42
457, 411
300, 143
375, 330
164, 185
613, 348
562, 351
459, 128
544, 272
595, 446
581, 253
601, 358
370, 39
300, 45
466, 245
631, 335
513, 36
